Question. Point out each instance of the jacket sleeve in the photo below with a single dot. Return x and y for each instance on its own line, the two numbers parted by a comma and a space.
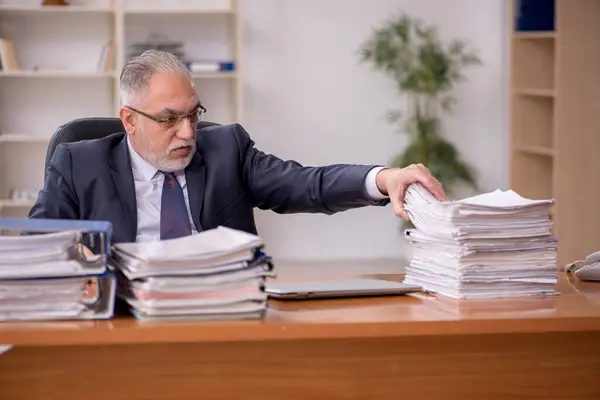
289, 187
57, 199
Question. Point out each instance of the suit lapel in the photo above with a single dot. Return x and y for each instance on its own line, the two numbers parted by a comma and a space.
194, 177
122, 176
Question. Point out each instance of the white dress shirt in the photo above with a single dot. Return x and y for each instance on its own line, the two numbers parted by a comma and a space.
148, 192
148, 195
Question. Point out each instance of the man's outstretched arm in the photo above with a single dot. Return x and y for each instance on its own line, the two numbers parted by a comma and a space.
289, 187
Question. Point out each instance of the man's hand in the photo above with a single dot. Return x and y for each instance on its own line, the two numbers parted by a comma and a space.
394, 182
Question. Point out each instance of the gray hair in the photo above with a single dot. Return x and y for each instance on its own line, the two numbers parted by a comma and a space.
137, 72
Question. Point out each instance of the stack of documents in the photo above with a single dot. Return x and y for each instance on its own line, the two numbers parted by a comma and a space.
45, 276
497, 244
216, 274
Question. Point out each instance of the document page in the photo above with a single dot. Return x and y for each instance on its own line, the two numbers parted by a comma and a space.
216, 274
496, 244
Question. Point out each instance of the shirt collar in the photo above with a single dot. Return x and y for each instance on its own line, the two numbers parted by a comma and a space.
142, 169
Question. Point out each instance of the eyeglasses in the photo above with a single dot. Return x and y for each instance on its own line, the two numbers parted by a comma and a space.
174, 120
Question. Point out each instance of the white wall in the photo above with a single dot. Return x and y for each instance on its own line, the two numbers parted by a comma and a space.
307, 98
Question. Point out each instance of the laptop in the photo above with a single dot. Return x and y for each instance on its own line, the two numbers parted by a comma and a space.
359, 287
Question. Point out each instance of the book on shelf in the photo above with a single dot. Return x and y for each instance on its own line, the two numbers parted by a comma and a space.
535, 15
8, 56
107, 57
208, 66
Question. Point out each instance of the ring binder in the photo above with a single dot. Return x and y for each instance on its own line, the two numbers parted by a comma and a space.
38, 225
45, 274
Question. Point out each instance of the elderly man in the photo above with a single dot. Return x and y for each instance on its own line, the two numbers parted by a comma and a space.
159, 180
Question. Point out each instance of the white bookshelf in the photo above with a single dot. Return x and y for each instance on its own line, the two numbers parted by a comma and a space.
59, 48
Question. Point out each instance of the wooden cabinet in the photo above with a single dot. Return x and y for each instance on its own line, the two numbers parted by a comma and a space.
555, 121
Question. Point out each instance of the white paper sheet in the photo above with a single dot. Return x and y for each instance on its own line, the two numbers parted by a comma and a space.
209, 244
211, 274
496, 244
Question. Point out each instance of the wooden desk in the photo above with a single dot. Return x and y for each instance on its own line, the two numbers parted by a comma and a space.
417, 346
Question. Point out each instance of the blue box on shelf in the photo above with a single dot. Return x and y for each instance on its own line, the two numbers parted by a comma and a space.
535, 15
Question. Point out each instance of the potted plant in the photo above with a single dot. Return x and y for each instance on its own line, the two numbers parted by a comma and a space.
425, 70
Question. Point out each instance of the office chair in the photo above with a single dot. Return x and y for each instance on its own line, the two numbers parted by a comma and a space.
91, 128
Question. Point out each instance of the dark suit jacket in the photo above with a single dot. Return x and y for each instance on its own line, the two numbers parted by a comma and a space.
226, 179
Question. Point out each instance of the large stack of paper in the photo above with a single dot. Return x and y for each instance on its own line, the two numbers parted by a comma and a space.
497, 244
216, 274
46, 276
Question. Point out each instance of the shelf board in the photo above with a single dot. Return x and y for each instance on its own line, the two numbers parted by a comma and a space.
178, 11
55, 74
214, 75
83, 74
53, 9
534, 92
21, 138
535, 35
7, 203
5, 8
536, 150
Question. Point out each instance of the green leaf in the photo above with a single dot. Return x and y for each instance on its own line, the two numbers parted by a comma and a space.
394, 116
447, 103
